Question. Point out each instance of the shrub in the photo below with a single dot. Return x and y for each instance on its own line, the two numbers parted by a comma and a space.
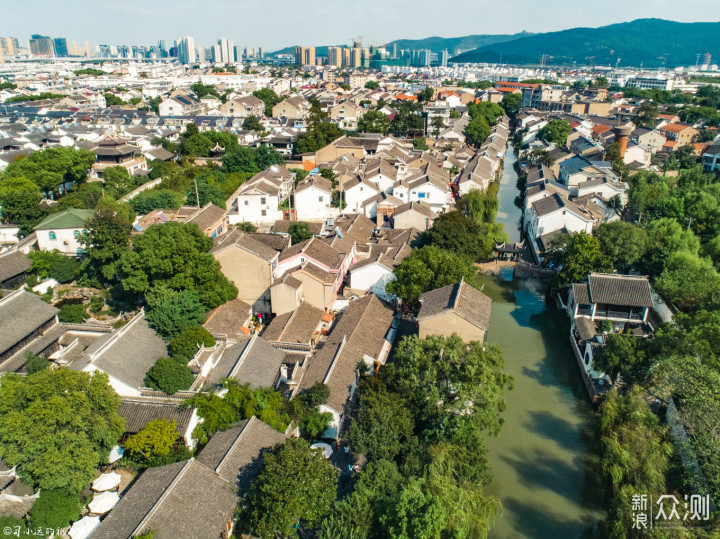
65, 269
55, 509
175, 312
96, 304
73, 313
35, 363
184, 346
169, 376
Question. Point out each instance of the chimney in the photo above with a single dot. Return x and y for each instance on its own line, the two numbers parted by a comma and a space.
622, 134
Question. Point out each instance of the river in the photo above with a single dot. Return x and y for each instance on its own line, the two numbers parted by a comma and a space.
545, 460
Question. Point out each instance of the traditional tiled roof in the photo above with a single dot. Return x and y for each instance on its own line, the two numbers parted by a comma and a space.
12, 264
184, 499
461, 298
206, 216
317, 250
236, 454
21, 313
298, 326
138, 412
625, 290
229, 318
247, 241
360, 331
586, 328
252, 361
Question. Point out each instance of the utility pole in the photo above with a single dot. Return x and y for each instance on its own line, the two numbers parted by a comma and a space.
197, 195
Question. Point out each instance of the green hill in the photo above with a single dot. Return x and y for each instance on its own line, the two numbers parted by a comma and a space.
650, 42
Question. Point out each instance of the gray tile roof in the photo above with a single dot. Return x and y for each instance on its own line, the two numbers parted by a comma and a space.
206, 216
252, 361
131, 353
236, 454
21, 313
12, 264
581, 293
548, 204
318, 250
294, 327
185, 499
229, 318
625, 290
246, 241
586, 328
468, 302
138, 412
359, 331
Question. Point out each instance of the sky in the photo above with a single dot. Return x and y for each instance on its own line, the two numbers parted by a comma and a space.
274, 24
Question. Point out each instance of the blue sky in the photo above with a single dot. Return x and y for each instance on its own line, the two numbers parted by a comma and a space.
273, 24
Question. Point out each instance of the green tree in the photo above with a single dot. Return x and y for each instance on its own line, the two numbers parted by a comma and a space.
624, 354
511, 103
665, 237
240, 159
556, 131
246, 227
279, 501
477, 130
428, 268
374, 121
18, 526
634, 455
57, 426
269, 97
65, 269
154, 199
382, 426
582, 255
696, 334
112, 99
203, 192
35, 363
184, 346
647, 114
438, 124
117, 181
299, 232
107, 237
315, 423
414, 513
689, 281
175, 312
20, 203
426, 95
156, 439
490, 111
55, 509
480, 206
444, 377
51, 167
318, 135
175, 256
464, 236
169, 376
252, 123
624, 243
73, 313
372, 85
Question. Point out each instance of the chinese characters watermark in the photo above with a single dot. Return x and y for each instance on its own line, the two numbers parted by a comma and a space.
668, 511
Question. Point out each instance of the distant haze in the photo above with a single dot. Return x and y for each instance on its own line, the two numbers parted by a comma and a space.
274, 24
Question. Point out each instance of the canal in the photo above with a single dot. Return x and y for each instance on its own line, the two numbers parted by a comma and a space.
545, 460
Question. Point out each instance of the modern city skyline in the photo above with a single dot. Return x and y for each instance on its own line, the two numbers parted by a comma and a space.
136, 22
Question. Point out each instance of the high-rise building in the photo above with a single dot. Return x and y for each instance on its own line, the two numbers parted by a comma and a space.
41, 45
88, 50
305, 55
200, 55
215, 54
186, 50
335, 56
161, 44
61, 48
356, 57
238, 53
227, 51
444, 57
7, 45
261, 53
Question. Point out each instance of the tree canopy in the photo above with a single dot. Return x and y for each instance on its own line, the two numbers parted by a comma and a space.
556, 131
107, 237
52, 166
279, 501
57, 426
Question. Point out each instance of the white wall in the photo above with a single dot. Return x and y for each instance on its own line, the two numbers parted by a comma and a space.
371, 278
313, 204
250, 208
65, 240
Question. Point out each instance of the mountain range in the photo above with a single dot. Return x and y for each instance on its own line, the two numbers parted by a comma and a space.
646, 42
650, 42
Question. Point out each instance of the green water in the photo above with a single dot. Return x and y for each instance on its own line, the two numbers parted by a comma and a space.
545, 460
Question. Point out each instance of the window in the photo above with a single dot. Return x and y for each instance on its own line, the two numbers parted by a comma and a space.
52, 235
247, 203
320, 198
262, 200
76, 234
421, 195
263, 212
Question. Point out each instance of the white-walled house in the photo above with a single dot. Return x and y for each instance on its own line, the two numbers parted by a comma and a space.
374, 273
356, 191
313, 199
63, 231
258, 200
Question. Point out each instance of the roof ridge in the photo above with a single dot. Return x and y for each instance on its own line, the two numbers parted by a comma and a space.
153, 509
233, 445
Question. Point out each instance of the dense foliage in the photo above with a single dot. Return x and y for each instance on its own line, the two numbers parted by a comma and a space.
56, 426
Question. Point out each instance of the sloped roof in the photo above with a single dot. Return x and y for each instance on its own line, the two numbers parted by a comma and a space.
206, 216
184, 499
247, 241
463, 299
360, 331
625, 290
236, 454
317, 250
72, 218
298, 326
228, 318
138, 412
21, 313
12, 264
